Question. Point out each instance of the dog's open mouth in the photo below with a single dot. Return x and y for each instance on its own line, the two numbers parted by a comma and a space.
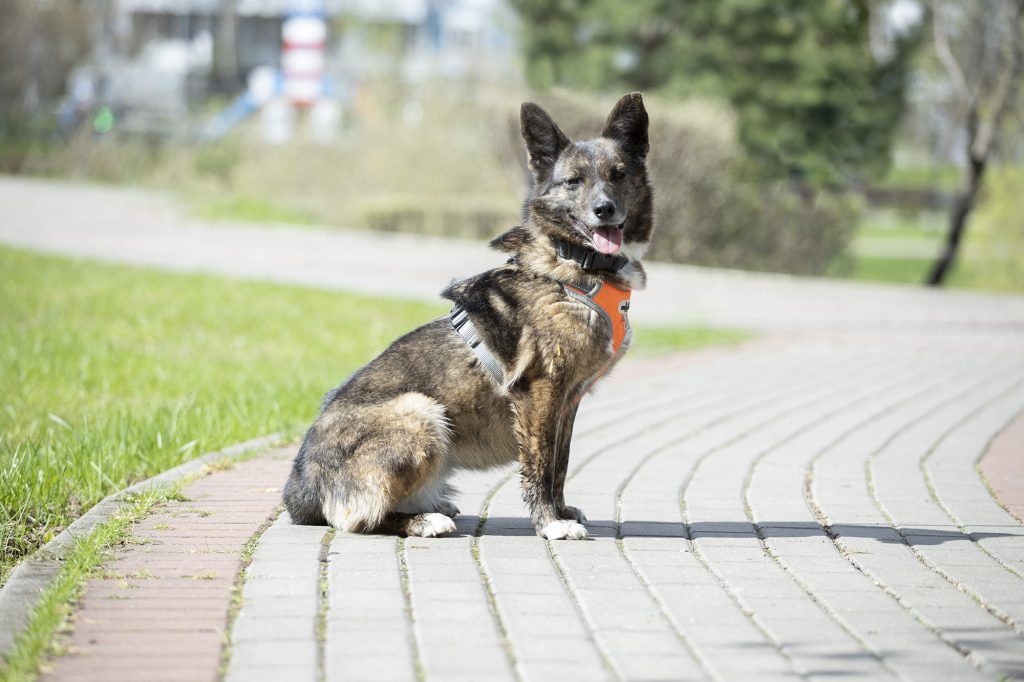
606, 238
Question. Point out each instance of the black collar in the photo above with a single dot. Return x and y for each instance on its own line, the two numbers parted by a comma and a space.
589, 259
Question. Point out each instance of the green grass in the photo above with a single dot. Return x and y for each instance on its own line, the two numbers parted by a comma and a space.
893, 246
111, 375
924, 177
900, 270
652, 341
893, 223
227, 206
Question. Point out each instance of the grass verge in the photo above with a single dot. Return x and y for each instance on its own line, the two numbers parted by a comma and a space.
112, 374
655, 341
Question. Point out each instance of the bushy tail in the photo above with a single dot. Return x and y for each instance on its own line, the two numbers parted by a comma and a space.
384, 454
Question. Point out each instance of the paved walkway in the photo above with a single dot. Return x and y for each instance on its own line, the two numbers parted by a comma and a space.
805, 507
129, 226
785, 510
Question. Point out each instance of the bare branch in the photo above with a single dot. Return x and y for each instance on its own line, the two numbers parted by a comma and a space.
1005, 89
945, 55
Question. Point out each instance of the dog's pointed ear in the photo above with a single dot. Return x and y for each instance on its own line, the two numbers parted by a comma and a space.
544, 139
627, 125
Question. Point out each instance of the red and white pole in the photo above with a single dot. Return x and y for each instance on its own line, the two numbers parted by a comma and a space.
304, 35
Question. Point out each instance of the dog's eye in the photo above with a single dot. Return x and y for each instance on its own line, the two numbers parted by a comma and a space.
617, 173
573, 183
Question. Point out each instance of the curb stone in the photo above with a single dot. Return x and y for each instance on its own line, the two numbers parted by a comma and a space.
20, 594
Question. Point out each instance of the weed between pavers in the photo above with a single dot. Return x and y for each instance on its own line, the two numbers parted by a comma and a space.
204, 513
403, 567
141, 574
492, 602
223, 464
235, 602
323, 605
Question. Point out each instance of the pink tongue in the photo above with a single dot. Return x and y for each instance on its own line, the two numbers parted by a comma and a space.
607, 239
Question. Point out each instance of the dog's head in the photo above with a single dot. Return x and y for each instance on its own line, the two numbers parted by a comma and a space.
595, 193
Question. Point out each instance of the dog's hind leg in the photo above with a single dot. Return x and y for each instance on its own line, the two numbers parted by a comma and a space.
393, 482
427, 525
432, 496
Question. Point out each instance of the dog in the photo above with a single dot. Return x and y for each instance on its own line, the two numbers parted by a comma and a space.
501, 377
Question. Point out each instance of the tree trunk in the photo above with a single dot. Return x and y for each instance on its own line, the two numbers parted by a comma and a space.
225, 60
962, 208
985, 113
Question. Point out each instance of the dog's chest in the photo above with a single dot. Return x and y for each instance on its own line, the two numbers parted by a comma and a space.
582, 332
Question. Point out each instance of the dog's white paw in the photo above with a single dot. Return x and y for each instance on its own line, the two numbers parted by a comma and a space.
564, 530
433, 524
447, 508
573, 514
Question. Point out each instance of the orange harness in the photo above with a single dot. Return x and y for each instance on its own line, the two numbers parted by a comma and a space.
611, 304
608, 301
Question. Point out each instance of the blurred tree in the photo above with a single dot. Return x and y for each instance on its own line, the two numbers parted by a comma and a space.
39, 44
981, 47
816, 99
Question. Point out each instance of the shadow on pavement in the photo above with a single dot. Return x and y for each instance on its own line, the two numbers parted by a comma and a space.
930, 535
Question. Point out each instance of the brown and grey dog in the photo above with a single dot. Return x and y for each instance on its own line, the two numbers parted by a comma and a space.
500, 379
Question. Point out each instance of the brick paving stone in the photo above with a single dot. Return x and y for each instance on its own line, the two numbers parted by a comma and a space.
141, 628
1003, 467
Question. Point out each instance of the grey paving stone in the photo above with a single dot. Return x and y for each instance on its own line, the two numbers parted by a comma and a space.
276, 626
253, 654
251, 627
657, 605
260, 672
391, 667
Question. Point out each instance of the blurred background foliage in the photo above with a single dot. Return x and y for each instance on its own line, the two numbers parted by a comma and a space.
812, 100
806, 138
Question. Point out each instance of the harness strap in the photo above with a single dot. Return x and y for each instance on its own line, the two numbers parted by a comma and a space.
467, 330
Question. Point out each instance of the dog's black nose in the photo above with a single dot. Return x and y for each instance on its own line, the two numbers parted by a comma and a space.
604, 210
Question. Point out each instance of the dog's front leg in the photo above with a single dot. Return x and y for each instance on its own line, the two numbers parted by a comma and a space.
537, 411
562, 443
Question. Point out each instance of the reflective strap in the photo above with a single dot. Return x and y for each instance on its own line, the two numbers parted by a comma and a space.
464, 326
587, 299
